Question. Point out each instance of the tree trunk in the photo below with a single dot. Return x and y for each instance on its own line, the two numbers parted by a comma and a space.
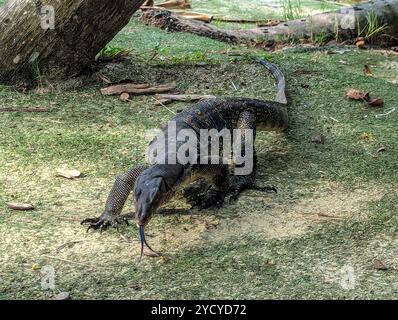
56, 39
343, 24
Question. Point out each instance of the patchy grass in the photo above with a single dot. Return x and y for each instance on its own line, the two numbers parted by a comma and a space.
336, 209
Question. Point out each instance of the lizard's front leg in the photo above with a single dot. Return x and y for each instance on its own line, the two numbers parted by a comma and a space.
120, 191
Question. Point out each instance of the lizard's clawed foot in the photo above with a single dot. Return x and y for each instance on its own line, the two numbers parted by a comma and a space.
193, 190
104, 222
235, 195
211, 198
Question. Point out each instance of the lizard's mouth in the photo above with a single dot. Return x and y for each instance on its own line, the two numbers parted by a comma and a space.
144, 210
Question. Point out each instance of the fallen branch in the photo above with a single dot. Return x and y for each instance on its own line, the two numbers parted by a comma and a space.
165, 19
24, 110
185, 14
168, 98
330, 25
137, 89
172, 4
258, 22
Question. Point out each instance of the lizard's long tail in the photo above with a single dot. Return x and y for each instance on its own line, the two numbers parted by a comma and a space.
280, 80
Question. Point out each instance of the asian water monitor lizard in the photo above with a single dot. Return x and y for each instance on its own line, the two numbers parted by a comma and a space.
155, 184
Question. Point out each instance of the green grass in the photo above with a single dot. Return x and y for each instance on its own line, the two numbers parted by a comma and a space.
374, 28
336, 204
254, 9
291, 10
110, 53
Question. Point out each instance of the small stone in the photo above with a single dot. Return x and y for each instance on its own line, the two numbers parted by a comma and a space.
379, 265
318, 138
68, 174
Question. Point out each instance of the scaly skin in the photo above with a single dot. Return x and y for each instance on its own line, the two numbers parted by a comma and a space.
154, 185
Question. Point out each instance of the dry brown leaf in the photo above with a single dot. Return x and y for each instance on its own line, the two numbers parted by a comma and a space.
367, 71
125, 97
20, 206
376, 103
150, 253
164, 259
68, 174
379, 265
360, 42
355, 94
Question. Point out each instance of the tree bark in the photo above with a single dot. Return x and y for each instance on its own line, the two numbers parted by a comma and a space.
342, 23
32, 48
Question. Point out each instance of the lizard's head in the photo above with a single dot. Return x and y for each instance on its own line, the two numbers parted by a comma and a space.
149, 194
153, 187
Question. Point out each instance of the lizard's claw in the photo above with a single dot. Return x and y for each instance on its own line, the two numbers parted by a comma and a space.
104, 222
234, 196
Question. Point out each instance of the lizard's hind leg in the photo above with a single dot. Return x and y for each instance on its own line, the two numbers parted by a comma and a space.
239, 183
121, 189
